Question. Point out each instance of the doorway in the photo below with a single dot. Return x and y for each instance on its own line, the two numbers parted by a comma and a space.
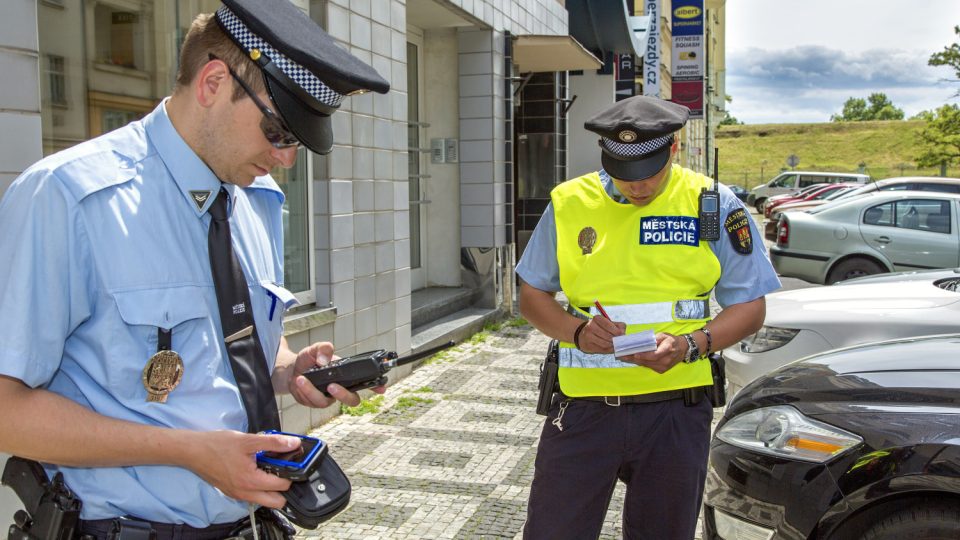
416, 150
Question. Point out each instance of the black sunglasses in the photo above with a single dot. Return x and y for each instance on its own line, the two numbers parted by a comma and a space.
270, 124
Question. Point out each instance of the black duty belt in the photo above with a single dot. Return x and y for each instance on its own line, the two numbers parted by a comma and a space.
102, 528
615, 401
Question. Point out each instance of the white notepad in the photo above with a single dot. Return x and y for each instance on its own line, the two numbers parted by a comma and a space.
634, 343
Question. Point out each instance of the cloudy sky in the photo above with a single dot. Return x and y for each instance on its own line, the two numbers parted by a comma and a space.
799, 60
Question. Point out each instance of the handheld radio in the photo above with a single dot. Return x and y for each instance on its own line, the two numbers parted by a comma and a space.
709, 206
364, 370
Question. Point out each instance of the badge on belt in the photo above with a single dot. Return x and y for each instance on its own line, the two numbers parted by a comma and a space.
163, 371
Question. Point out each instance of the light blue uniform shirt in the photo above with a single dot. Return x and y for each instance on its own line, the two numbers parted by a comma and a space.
743, 277
110, 245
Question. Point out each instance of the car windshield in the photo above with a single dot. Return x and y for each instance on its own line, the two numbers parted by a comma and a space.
785, 180
838, 193
842, 200
810, 189
858, 191
824, 193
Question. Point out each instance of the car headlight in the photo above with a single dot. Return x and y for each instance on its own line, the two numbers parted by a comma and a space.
783, 431
768, 338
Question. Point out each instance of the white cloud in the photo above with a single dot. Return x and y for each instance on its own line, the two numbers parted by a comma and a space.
809, 83
799, 60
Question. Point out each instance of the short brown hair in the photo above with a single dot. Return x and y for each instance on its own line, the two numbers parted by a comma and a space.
204, 38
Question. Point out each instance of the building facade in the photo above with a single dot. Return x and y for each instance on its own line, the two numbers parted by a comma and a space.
407, 233
429, 190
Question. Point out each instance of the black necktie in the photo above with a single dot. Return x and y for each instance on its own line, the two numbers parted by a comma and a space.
240, 334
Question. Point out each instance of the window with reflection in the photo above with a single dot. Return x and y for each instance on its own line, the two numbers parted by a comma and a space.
110, 62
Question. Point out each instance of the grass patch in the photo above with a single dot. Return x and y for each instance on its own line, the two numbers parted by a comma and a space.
887, 148
515, 323
422, 390
478, 338
405, 402
492, 326
439, 358
366, 406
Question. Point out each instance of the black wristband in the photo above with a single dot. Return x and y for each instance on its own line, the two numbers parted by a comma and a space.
709, 340
576, 334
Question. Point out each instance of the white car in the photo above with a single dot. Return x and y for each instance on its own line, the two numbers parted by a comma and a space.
808, 321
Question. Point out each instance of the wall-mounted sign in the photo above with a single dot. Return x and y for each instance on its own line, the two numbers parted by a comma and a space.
687, 26
625, 76
651, 56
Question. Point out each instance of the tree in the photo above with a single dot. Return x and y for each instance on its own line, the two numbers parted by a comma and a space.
877, 106
949, 56
729, 120
940, 137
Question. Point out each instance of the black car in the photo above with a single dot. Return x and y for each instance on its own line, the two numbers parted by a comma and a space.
740, 192
862, 442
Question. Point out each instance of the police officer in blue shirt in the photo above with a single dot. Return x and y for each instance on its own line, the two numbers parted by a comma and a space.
629, 237
110, 268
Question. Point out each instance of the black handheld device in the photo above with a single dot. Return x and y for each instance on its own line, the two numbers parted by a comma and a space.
717, 392
51, 510
296, 464
364, 370
548, 384
709, 207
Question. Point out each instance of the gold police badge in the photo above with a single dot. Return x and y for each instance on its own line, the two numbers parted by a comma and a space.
161, 375
586, 240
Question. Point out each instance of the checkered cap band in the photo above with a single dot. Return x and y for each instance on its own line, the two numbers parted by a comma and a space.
639, 149
300, 75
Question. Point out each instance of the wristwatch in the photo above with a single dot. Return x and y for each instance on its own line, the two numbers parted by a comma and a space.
693, 350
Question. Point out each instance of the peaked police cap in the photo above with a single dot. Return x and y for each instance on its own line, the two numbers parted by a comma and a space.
636, 135
307, 73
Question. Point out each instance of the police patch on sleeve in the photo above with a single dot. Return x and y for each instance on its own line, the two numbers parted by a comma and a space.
738, 229
659, 230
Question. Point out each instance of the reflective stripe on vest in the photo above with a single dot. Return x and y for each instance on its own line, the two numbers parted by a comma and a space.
642, 279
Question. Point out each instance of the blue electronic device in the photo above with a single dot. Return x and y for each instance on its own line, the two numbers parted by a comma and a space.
295, 464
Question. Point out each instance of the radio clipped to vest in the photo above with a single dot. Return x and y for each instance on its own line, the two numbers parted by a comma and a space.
709, 206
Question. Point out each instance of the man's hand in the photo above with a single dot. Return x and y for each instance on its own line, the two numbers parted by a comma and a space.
597, 336
670, 350
319, 354
227, 460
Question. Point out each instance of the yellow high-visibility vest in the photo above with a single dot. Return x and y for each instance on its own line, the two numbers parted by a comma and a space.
646, 266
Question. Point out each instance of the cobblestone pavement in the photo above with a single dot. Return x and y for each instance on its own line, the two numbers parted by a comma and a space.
450, 452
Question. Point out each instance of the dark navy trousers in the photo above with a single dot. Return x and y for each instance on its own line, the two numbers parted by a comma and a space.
659, 450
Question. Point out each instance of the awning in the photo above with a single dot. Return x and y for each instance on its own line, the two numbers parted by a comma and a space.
551, 53
604, 25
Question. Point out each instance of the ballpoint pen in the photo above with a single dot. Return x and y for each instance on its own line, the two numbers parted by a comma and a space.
601, 310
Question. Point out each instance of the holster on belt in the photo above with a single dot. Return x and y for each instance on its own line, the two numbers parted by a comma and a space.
549, 384
717, 392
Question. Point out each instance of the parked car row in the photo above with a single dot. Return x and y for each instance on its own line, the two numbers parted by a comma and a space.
792, 181
820, 196
855, 442
844, 412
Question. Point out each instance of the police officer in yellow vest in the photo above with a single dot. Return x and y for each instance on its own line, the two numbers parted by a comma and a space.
629, 237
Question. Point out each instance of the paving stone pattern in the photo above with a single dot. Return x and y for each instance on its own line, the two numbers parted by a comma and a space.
450, 453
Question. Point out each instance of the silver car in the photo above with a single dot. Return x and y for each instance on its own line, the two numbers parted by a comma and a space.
813, 320
884, 231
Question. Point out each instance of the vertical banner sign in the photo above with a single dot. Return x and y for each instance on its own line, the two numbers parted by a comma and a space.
651, 56
687, 27
625, 76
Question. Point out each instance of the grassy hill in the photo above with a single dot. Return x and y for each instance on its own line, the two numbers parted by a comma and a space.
887, 148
